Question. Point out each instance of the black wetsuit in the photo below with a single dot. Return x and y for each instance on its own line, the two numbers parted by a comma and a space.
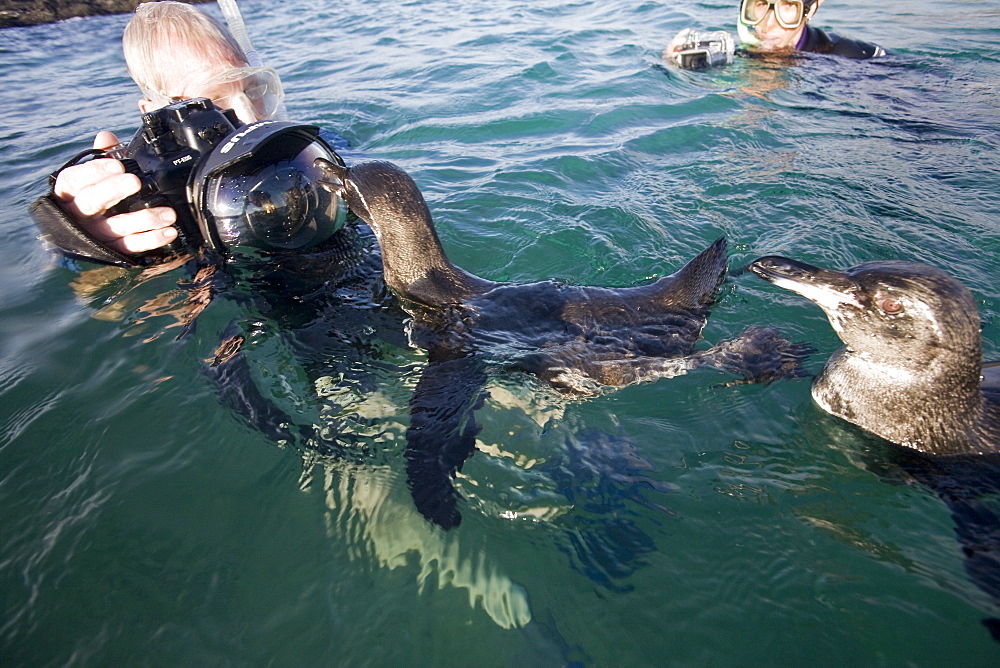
815, 40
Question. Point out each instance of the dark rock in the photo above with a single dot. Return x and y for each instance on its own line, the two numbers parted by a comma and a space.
14, 13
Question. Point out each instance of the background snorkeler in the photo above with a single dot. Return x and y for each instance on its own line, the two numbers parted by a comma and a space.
782, 26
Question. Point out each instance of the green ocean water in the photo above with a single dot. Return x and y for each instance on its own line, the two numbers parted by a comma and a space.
684, 522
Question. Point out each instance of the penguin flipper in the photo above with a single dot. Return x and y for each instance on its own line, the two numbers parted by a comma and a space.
442, 434
758, 355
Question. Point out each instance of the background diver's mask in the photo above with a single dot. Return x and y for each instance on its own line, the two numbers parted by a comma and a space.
264, 188
789, 14
746, 33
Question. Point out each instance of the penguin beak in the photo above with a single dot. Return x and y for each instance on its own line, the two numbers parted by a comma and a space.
334, 176
828, 289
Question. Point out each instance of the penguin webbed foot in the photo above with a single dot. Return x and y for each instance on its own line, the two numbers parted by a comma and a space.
759, 355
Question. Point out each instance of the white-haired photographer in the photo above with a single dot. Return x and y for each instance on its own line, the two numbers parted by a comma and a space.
173, 52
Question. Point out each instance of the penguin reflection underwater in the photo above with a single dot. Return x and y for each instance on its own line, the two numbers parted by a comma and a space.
911, 372
580, 340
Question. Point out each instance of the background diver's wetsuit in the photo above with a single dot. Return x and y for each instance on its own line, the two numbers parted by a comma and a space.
815, 40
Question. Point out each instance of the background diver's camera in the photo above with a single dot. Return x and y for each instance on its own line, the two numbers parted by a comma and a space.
237, 189
702, 50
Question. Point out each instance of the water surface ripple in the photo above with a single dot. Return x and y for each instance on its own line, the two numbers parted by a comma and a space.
684, 522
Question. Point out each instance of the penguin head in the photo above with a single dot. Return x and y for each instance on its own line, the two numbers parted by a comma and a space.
903, 314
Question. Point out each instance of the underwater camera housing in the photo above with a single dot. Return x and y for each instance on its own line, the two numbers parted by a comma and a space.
702, 50
237, 189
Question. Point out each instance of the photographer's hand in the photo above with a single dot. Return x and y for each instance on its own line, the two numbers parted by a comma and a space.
676, 43
88, 190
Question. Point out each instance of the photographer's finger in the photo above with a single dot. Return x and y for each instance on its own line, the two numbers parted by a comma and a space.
146, 241
678, 41
137, 222
105, 140
73, 180
104, 194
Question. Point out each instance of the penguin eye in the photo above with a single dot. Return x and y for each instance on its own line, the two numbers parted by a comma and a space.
890, 306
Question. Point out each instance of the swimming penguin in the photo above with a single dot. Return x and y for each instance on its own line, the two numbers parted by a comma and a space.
579, 339
911, 367
911, 372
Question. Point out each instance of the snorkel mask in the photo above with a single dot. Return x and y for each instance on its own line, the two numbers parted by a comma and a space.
254, 93
789, 14
746, 33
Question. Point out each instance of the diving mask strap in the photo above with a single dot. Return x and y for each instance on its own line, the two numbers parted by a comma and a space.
746, 33
234, 19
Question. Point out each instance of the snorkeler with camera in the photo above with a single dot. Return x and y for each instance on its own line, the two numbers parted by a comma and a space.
766, 26
215, 173
235, 189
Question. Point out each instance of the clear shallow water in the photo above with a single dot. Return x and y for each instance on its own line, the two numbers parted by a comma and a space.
681, 522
